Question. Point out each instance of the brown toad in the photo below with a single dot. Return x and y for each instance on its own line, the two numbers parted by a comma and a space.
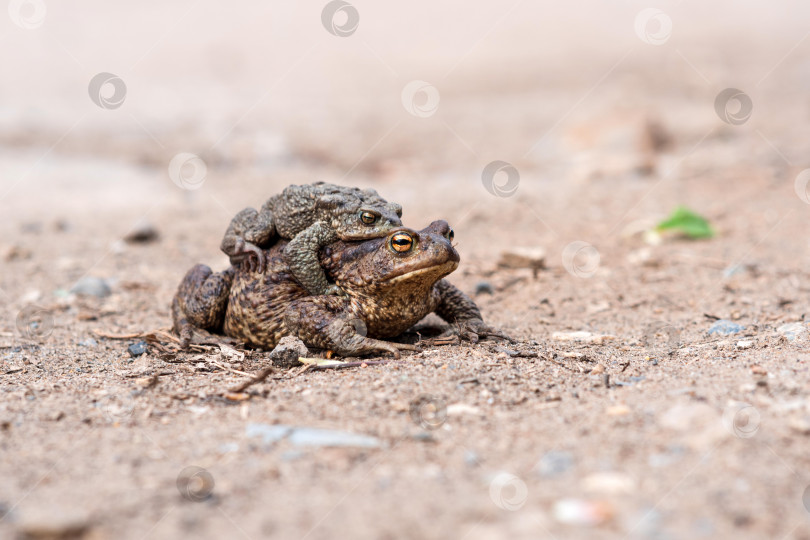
310, 216
390, 284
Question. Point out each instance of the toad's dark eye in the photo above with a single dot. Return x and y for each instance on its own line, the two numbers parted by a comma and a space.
369, 218
401, 242
451, 235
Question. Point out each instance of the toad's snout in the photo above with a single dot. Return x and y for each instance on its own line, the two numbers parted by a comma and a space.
441, 236
440, 227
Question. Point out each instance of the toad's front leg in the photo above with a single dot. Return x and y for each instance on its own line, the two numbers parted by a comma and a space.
458, 309
301, 255
327, 322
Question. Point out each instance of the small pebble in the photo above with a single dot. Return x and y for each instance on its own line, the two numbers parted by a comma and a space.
32, 227
292, 455
91, 286
800, 425
554, 463
618, 410
725, 327
484, 287
457, 409
581, 337
609, 483
582, 512
137, 349
142, 233
732, 270
307, 436
423, 436
288, 351
792, 331
471, 459
745, 344
90, 342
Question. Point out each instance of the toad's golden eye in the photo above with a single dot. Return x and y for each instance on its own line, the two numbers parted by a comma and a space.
451, 235
401, 242
368, 217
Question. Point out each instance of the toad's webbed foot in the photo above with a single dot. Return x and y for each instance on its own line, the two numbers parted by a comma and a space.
247, 233
459, 310
249, 256
472, 330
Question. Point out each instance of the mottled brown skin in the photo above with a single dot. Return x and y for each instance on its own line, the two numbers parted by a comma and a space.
387, 292
310, 216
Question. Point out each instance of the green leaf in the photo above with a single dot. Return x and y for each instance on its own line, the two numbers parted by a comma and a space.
686, 222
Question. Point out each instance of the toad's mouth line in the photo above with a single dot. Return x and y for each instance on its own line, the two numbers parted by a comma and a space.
444, 268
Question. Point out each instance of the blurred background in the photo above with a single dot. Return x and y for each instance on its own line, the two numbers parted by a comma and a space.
576, 96
165, 118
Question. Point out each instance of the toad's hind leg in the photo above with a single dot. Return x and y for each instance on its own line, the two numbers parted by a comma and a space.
325, 322
201, 301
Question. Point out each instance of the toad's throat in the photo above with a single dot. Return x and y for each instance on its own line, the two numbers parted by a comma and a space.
439, 271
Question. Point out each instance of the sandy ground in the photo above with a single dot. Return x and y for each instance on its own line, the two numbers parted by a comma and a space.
647, 427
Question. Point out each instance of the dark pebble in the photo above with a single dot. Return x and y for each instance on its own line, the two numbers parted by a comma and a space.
484, 287
137, 349
142, 233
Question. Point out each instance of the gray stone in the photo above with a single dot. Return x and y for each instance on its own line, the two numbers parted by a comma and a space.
307, 436
725, 327
471, 459
792, 331
91, 286
137, 349
554, 463
269, 434
142, 233
484, 287
288, 351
